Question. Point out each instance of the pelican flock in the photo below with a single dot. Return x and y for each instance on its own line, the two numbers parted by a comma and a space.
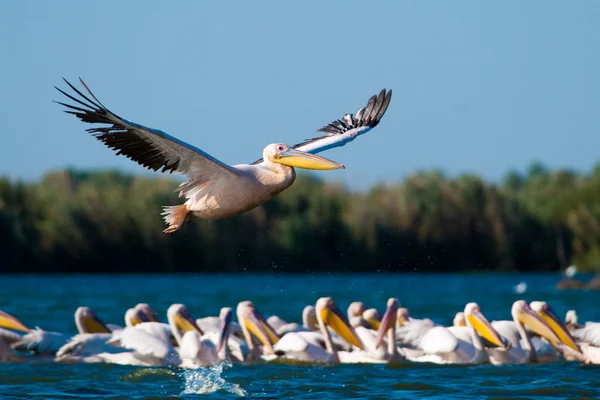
215, 190
325, 335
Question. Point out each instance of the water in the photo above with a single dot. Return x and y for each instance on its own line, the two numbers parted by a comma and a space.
49, 302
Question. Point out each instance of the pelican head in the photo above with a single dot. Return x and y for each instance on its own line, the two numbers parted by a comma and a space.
148, 311
88, 322
226, 317
545, 312
372, 317
524, 314
388, 320
402, 316
134, 316
309, 318
459, 319
180, 319
330, 315
10, 322
475, 318
571, 320
253, 323
356, 309
283, 154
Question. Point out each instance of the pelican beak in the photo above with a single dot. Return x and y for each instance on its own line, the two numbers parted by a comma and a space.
333, 317
486, 330
300, 159
225, 325
152, 317
533, 321
259, 327
186, 323
93, 324
387, 323
557, 327
10, 322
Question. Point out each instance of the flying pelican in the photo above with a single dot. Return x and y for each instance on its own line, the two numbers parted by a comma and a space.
214, 189
522, 349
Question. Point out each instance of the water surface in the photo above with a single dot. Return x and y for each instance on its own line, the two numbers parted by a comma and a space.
50, 301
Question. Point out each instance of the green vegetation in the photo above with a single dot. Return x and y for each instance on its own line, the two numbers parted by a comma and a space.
73, 221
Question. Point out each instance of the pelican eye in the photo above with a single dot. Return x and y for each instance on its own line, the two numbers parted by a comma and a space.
280, 148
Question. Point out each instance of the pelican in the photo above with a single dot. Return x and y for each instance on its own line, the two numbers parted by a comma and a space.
150, 342
318, 347
40, 341
254, 325
93, 337
442, 346
215, 190
373, 318
580, 344
522, 349
309, 322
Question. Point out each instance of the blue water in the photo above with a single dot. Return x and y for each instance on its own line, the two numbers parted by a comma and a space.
50, 301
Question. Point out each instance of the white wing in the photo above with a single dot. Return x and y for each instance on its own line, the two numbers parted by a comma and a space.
151, 148
150, 340
589, 334
41, 341
345, 130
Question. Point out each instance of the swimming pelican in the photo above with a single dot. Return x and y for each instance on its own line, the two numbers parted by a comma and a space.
584, 348
40, 341
309, 322
216, 190
522, 349
442, 346
314, 346
93, 337
253, 326
373, 318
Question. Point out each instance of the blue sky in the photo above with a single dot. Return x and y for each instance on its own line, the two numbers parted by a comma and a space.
479, 87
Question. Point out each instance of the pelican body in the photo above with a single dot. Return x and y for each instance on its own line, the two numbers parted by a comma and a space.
215, 190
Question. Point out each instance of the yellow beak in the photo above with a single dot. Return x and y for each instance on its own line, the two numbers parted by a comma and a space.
533, 321
300, 159
186, 323
558, 328
485, 329
256, 324
333, 317
10, 322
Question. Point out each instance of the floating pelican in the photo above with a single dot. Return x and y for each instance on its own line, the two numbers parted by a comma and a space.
253, 326
40, 341
93, 337
522, 350
442, 346
314, 346
216, 190
580, 344
373, 318
309, 322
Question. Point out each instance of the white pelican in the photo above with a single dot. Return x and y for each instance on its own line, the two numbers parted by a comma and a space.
442, 346
40, 341
309, 322
151, 343
373, 318
580, 344
522, 350
254, 325
314, 346
388, 325
216, 190
93, 336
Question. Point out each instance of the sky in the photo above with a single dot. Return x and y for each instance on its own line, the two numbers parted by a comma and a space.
478, 87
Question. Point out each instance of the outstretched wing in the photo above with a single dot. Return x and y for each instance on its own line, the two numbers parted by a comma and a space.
151, 148
342, 131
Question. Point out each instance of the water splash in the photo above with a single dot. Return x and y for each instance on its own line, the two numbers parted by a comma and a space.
209, 380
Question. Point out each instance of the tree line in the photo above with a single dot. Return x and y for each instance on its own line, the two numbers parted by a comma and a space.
108, 221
